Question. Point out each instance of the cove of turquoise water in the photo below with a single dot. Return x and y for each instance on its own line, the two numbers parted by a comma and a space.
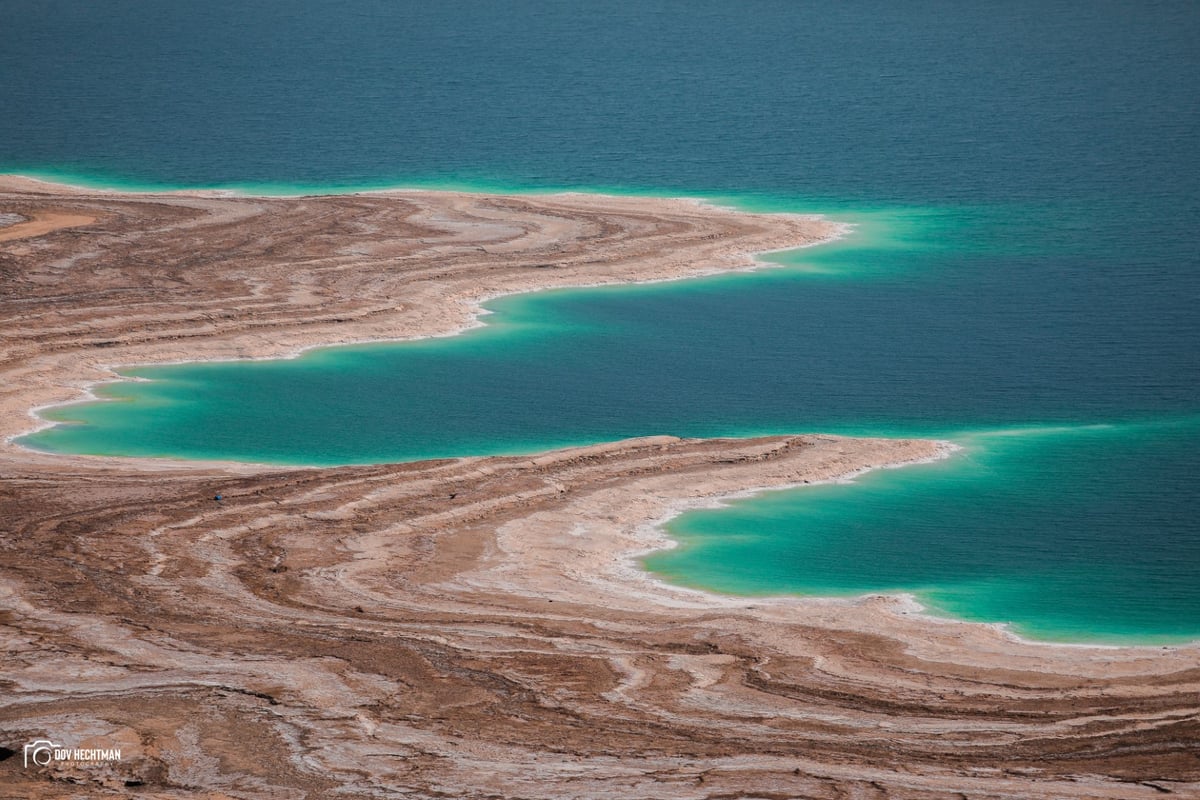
1022, 279
1032, 526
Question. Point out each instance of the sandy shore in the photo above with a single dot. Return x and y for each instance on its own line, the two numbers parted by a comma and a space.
470, 627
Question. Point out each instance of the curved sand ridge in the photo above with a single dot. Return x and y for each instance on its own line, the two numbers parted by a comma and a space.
472, 627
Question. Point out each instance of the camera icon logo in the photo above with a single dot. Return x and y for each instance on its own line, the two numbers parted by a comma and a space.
40, 752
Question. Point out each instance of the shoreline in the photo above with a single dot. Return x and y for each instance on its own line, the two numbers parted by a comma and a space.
658, 539
76, 183
475, 614
479, 316
474, 311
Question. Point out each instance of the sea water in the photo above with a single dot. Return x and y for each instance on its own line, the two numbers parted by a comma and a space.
1022, 277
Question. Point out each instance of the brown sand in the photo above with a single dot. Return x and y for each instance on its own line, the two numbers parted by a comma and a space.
43, 222
470, 627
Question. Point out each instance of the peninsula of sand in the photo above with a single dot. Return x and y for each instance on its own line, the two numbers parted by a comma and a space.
473, 627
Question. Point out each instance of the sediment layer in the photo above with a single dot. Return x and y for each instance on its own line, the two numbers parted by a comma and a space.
471, 627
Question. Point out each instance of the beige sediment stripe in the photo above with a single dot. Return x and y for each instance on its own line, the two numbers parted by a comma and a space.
43, 222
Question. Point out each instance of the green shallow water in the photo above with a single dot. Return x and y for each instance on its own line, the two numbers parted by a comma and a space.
1063, 533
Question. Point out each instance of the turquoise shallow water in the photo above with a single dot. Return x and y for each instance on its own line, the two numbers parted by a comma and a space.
1022, 279
1028, 526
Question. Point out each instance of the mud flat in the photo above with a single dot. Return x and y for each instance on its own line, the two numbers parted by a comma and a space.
473, 627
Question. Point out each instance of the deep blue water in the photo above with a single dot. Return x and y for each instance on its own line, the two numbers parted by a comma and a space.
862, 101
1026, 178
